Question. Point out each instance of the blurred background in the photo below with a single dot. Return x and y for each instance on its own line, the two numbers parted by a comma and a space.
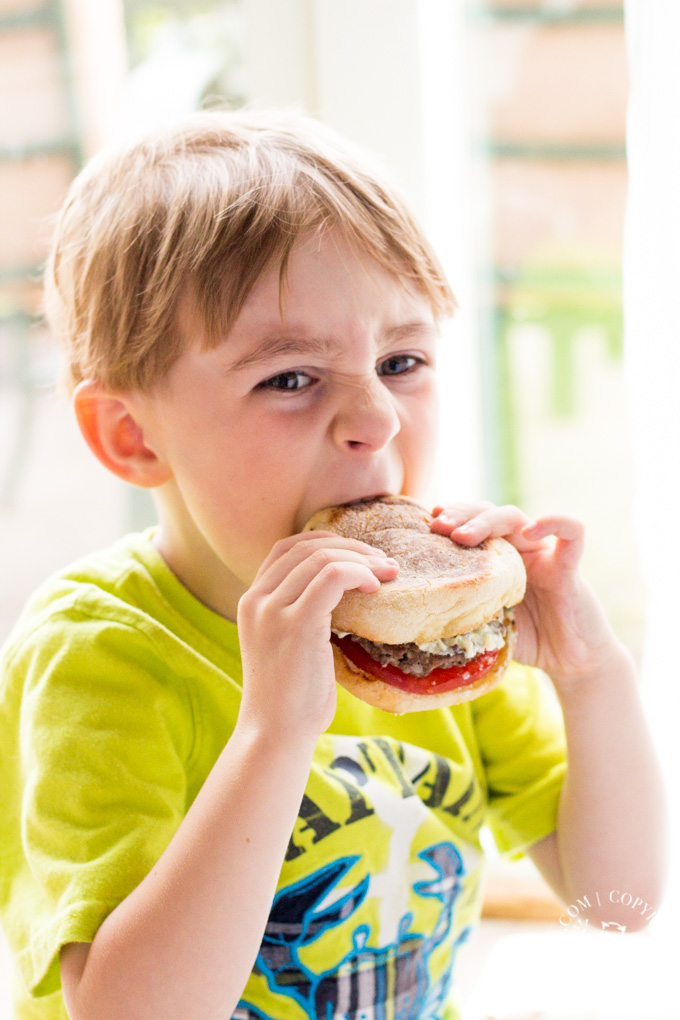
504, 121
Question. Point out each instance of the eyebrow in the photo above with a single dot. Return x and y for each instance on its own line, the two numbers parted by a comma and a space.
274, 346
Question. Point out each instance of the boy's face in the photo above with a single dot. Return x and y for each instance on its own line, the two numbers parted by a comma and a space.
327, 398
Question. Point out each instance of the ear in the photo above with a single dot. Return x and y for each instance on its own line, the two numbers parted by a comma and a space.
115, 436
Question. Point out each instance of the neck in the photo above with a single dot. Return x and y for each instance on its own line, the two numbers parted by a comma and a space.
194, 562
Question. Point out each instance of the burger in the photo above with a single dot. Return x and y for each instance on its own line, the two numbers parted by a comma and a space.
442, 631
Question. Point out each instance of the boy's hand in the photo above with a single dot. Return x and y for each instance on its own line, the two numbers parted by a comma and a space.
284, 625
561, 627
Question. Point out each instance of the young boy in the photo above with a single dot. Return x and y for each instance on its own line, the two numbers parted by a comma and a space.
196, 823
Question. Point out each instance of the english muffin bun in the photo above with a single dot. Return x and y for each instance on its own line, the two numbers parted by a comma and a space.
443, 591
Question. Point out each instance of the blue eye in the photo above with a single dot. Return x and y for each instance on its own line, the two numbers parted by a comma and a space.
396, 366
286, 382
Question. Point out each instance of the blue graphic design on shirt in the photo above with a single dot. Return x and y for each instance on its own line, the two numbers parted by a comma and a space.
389, 982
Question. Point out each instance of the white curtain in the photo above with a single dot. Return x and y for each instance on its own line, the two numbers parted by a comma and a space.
652, 351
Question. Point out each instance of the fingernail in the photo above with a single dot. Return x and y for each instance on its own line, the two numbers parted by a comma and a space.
390, 559
465, 527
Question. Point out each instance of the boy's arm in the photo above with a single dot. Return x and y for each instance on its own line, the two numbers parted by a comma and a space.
184, 942
610, 840
611, 832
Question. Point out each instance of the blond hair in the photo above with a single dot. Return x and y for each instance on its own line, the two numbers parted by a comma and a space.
208, 204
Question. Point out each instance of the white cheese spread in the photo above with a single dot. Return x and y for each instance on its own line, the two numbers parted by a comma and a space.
483, 639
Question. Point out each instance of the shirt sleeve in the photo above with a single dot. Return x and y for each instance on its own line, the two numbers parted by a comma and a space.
522, 743
103, 753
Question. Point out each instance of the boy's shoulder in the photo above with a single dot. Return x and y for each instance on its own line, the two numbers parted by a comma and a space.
124, 592
108, 580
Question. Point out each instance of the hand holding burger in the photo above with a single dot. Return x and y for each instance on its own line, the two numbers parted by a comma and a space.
561, 626
442, 631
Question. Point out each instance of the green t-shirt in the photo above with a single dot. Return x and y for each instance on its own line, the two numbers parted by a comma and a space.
118, 691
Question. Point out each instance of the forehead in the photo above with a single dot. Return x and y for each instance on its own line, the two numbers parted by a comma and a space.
328, 284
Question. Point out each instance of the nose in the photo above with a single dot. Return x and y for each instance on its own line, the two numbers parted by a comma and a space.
367, 418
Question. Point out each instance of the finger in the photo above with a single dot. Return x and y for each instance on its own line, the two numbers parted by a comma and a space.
569, 532
304, 541
461, 511
493, 522
323, 592
287, 580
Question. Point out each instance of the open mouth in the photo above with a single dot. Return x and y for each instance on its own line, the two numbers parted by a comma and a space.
367, 499
355, 500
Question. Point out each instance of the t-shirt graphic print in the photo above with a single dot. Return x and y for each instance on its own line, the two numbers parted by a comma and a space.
378, 889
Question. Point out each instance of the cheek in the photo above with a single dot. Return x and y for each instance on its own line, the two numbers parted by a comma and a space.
420, 429
280, 445
422, 418
257, 473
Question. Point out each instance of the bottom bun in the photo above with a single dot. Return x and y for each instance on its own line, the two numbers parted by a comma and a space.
392, 699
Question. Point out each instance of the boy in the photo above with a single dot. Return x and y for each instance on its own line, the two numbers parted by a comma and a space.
197, 824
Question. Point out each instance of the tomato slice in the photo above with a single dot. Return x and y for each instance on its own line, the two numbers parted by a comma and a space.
439, 680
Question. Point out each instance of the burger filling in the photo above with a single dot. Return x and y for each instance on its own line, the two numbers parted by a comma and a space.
421, 660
